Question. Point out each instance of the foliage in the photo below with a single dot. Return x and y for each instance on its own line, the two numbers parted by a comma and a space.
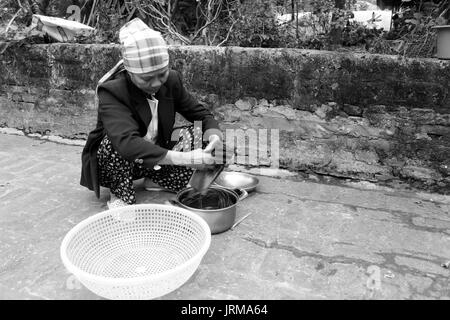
107, 18
355, 35
15, 15
184, 22
255, 23
328, 28
413, 34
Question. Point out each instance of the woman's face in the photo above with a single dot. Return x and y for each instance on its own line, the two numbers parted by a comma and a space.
150, 82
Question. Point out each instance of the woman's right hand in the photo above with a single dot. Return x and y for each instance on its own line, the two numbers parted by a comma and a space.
199, 159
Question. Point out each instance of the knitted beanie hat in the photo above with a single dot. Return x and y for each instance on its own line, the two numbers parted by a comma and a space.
143, 49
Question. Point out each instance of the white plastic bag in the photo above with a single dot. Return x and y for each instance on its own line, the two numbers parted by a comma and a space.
61, 30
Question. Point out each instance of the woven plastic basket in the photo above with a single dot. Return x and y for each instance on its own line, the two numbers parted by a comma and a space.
136, 252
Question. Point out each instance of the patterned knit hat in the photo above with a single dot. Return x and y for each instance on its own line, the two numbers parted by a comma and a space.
143, 49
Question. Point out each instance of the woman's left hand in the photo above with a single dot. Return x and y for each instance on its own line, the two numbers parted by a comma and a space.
214, 142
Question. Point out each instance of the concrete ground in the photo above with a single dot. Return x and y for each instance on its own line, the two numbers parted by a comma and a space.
304, 240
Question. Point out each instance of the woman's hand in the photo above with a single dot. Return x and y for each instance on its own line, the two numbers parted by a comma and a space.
198, 159
221, 154
214, 142
216, 148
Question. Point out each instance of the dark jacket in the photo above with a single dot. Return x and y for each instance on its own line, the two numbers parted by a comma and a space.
124, 115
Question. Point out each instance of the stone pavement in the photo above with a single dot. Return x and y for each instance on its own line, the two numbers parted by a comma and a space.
304, 240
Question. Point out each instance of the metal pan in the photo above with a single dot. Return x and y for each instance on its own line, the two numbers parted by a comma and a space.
219, 220
237, 180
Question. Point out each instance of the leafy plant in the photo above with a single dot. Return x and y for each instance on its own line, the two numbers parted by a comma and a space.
255, 25
15, 15
413, 34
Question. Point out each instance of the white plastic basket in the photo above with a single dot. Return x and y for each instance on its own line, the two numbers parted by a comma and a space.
136, 252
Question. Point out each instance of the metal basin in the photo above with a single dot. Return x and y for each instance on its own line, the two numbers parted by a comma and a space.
237, 180
218, 218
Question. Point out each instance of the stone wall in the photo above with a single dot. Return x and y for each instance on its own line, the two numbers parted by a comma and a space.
361, 116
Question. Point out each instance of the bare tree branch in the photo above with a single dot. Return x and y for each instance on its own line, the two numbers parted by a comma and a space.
14, 17
228, 34
209, 20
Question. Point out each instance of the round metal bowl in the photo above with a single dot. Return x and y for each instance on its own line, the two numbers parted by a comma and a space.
237, 180
218, 219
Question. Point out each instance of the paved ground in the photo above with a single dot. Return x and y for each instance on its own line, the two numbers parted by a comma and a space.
304, 240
